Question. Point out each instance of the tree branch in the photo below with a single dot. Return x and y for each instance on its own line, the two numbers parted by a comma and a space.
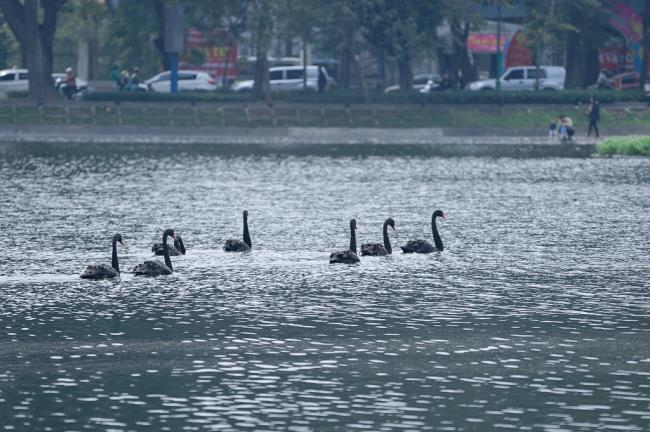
14, 14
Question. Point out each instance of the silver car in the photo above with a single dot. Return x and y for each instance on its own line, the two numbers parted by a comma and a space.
523, 78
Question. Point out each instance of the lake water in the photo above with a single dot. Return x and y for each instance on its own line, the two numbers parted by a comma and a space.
535, 317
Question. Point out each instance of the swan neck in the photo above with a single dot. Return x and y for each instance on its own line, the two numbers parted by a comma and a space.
114, 263
387, 240
353, 240
436, 237
247, 236
168, 261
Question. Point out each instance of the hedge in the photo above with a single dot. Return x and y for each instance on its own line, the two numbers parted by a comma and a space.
339, 96
631, 146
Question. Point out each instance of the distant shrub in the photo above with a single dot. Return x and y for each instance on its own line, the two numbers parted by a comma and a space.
631, 146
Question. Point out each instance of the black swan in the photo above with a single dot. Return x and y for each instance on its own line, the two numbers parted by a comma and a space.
376, 249
238, 245
156, 268
178, 249
423, 246
347, 256
104, 271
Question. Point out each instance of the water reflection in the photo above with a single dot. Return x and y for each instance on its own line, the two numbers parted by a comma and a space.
535, 317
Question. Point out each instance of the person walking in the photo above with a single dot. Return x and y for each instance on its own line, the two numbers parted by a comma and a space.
593, 113
322, 80
70, 83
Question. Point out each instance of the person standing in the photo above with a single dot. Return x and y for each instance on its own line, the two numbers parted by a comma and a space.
70, 87
593, 112
322, 80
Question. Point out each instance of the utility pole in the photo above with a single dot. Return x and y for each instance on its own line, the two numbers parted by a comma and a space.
499, 47
645, 47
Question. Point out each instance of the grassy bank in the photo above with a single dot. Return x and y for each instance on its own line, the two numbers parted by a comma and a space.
313, 115
632, 146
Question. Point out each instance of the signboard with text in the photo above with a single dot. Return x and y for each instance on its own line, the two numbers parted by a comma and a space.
214, 52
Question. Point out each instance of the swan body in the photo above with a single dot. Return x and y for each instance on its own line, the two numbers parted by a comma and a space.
156, 268
104, 271
376, 249
178, 249
152, 268
348, 256
238, 245
423, 246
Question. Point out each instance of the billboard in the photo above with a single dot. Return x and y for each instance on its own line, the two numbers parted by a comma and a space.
213, 51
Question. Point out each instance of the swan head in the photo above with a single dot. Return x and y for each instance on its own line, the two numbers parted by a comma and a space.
118, 238
170, 232
438, 213
391, 223
353, 224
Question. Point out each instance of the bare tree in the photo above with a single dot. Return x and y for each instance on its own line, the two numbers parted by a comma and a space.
35, 39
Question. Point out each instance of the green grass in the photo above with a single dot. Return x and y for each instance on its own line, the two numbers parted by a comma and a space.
630, 146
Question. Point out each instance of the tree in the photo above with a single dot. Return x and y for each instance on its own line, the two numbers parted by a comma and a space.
543, 28
400, 29
261, 18
35, 39
645, 47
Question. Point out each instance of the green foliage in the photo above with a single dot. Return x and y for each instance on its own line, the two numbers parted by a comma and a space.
630, 146
378, 97
196, 96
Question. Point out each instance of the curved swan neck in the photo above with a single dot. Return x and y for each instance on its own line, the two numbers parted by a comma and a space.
436, 237
353, 240
168, 261
178, 244
386, 239
247, 236
114, 263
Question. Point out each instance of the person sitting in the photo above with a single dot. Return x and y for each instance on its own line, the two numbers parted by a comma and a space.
565, 125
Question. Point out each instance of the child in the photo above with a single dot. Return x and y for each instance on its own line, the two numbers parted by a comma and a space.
552, 130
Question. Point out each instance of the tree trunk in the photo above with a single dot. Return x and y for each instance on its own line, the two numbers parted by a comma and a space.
460, 54
159, 41
405, 68
304, 64
381, 68
574, 62
347, 58
645, 45
261, 26
35, 40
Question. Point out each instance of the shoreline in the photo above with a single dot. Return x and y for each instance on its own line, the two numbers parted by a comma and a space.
291, 141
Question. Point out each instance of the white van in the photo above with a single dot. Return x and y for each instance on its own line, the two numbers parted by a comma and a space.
285, 78
524, 78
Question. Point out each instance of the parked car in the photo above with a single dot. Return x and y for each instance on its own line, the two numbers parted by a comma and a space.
524, 78
13, 80
420, 81
187, 80
626, 80
18, 80
286, 78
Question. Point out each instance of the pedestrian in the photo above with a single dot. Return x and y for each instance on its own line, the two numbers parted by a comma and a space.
134, 79
124, 80
70, 83
115, 76
593, 112
322, 80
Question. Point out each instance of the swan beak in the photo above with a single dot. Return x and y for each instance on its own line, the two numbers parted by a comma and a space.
121, 242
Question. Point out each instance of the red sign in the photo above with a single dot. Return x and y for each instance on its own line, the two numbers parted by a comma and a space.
615, 60
214, 52
518, 53
485, 43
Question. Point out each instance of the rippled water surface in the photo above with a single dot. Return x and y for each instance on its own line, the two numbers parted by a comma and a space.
535, 317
